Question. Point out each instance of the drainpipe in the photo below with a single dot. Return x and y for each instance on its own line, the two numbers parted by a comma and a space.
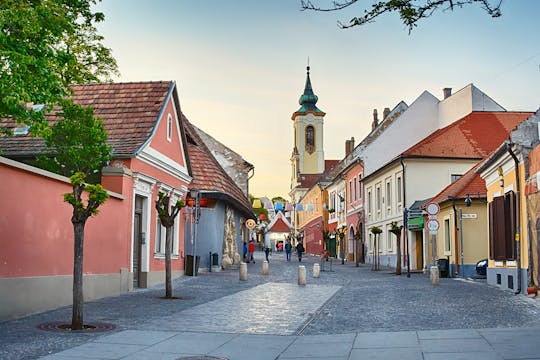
456, 270
518, 220
406, 240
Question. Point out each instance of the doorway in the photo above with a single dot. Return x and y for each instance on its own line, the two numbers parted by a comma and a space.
419, 250
137, 241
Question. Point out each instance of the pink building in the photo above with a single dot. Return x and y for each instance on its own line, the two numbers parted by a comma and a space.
125, 243
355, 211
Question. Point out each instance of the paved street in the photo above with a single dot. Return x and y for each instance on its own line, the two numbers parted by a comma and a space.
347, 313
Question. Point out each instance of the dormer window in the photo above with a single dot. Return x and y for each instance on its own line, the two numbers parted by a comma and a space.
169, 127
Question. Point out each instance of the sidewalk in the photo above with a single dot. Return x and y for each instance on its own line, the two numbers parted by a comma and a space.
484, 344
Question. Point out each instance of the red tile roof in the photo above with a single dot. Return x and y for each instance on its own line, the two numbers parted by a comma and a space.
474, 136
129, 112
469, 183
208, 176
279, 226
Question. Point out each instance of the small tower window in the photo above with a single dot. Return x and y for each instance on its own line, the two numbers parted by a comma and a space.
310, 139
169, 127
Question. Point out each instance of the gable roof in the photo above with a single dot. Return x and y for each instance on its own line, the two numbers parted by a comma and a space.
208, 175
469, 183
473, 136
279, 224
129, 111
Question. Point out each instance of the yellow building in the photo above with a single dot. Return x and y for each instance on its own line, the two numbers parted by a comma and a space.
462, 239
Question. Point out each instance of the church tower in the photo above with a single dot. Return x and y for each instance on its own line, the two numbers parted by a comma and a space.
308, 150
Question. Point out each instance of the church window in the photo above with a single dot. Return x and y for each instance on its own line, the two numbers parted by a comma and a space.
310, 139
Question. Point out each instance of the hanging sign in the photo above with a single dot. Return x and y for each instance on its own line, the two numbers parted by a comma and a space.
250, 223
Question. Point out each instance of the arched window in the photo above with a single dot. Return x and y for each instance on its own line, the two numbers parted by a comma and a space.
310, 139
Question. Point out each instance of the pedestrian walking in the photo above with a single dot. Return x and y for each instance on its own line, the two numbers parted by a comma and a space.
244, 252
251, 250
300, 249
266, 252
288, 249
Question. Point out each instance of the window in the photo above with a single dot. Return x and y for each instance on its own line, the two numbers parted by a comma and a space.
369, 200
378, 199
169, 127
388, 196
160, 237
350, 192
447, 240
355, 191
310, 139
360, 193
454, 177
502, 227
399, 190
389, 240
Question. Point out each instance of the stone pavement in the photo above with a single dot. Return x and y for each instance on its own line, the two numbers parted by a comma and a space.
349, 313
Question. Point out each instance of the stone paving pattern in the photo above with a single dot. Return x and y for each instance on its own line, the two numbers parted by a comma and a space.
349, 313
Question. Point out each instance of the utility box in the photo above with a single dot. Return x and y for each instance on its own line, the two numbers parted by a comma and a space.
215, 259
189, 265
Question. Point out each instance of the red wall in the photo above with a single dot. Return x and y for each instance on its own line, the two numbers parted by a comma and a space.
36, 234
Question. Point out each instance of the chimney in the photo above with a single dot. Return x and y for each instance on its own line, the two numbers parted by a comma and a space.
375, 120
447, 92
386, 112
349, 146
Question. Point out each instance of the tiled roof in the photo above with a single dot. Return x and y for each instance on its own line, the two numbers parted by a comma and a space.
129, 112
208, 176
279, 226
473, 136
469, 183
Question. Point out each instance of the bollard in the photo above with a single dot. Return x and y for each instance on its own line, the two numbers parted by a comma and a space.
316, 270
301, 275
265, 267
243, 271
434, 275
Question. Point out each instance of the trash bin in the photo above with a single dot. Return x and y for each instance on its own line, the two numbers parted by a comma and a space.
442, 264
189, 265
215, 259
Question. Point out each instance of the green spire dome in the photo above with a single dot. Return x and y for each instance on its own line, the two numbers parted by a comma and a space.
308, 98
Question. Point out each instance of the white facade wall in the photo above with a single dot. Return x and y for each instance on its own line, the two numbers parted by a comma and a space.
463, 102
417, 122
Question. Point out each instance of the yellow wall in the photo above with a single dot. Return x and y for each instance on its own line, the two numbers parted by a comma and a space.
495, 189
311, 163
314, 196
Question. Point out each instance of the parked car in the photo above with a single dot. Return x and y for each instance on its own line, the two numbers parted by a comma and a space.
481, 267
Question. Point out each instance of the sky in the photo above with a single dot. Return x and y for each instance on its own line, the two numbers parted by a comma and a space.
240, 66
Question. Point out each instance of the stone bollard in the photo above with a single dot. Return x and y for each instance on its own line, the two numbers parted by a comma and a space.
265, 267
243, 271
316, 270
434, 275
301, 275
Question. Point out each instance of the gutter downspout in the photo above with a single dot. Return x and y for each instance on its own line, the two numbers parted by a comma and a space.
456, 229
518, 219
406, 239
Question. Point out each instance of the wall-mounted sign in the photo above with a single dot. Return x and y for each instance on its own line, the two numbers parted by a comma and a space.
250, 223
469, 216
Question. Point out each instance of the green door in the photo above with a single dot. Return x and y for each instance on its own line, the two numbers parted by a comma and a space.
332, 246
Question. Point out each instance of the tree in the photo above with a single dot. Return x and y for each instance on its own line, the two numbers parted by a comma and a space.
396, 230
376, 231
76, 147
410, 11
45, 46
167, 214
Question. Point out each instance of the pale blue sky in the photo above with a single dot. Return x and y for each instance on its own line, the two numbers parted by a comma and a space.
240, 66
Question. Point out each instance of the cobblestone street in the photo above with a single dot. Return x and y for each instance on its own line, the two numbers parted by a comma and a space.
336, 307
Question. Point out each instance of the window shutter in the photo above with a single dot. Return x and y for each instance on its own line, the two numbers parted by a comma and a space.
498, 229
510, 220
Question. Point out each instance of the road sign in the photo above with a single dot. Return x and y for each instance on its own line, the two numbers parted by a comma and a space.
469, 216
433, 208
433, 225
414, 214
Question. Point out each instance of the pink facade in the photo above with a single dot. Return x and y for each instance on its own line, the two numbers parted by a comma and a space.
355, 210
313, 237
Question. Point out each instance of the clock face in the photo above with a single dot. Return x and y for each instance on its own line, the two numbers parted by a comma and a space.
432, 209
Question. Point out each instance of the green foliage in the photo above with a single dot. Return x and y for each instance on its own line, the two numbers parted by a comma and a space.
410, 11
45, 46
166, 214
376, 230
76, 143
97, 195
395, 229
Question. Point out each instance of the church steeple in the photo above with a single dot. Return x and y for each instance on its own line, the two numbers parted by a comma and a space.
308, 99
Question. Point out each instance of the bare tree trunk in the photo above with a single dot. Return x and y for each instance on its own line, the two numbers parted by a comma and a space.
168, 250
398, 255
78, 299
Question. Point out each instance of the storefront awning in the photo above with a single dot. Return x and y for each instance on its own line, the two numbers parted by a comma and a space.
416, 223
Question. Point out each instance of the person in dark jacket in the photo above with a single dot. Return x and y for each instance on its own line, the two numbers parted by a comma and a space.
288, 249
300, 249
